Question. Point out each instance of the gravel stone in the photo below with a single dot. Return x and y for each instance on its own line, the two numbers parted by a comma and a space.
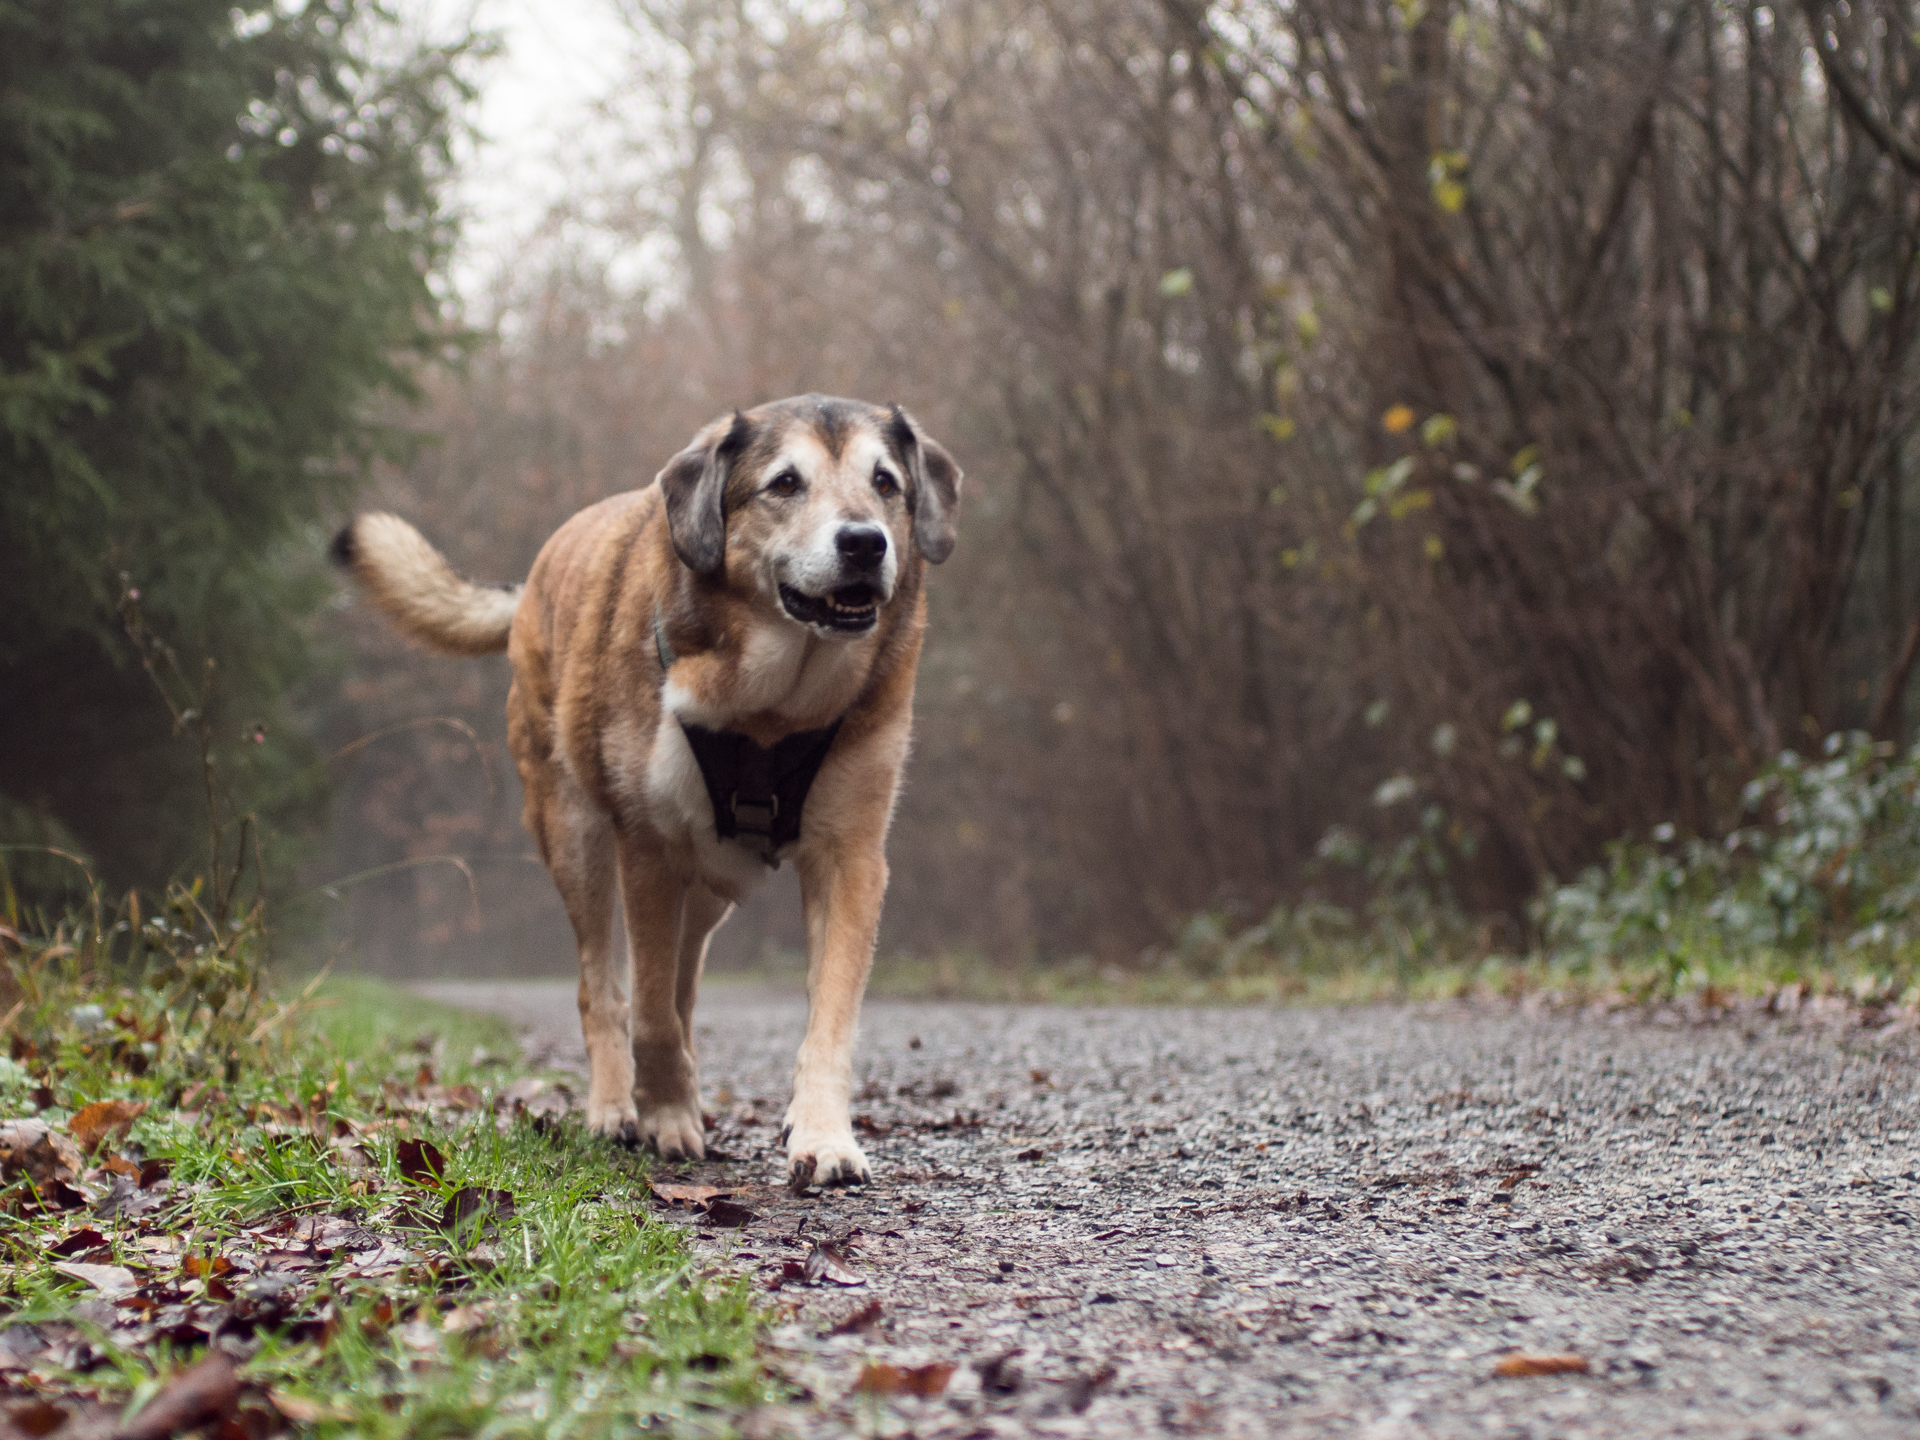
1263, 1222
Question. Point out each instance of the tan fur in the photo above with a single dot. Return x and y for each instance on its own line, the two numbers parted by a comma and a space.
613, 797
421, 594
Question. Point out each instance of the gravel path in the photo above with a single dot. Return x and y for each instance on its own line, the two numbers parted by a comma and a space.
1309, 1222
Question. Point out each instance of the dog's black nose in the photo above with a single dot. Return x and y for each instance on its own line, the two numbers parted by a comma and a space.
862, 545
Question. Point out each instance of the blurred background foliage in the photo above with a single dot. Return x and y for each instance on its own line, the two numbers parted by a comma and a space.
1411, 446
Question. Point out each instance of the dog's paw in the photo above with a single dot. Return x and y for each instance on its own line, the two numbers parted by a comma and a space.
674, 1132
825, 1157
617, 1123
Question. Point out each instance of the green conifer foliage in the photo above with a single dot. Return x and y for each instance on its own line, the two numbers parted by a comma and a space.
219, 234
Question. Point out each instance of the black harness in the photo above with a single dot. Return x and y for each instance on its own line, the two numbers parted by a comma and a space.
758, 793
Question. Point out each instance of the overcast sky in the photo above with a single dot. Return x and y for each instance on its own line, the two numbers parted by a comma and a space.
535, 115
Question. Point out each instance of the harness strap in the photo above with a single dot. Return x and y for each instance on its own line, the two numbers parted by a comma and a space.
758, 793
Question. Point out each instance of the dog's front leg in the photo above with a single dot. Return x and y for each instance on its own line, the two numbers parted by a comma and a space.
666, 1084
841, 891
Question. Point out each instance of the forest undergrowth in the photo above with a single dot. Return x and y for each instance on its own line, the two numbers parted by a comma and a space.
1814, 898
337, 1211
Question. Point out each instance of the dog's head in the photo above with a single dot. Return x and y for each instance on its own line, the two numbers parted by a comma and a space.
815, 503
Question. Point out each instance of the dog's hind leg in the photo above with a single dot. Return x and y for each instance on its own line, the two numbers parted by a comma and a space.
700, 915
666, 1084
576, 840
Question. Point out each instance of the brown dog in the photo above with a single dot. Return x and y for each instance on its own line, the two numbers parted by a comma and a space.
685, 658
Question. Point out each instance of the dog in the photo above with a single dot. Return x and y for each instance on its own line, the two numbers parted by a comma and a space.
711, 675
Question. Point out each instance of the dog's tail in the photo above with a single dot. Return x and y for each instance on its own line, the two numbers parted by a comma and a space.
420, 592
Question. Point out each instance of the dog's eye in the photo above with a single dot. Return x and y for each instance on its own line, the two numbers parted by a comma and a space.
787, 482
884, 482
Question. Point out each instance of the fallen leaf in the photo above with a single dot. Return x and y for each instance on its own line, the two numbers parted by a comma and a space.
1080, 1388
202, 1392
790, 1270
125, 1197
1000, 1376
463, 1317
97, 1121
472, 1207
107, 1279
859, 1320
334, 1232
1525, 1363
925, 1381
724, 1214
37, 1417
304, 1411
421, 1162
77, 1243
43, 1155
1035, 1153
671, 1195
827, 1261
380, 1317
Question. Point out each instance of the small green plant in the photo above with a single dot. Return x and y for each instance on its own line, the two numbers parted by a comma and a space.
1828, 862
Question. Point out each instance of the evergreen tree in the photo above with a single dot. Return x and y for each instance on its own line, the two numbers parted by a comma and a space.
219, 238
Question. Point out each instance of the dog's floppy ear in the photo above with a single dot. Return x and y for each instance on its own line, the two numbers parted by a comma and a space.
695, 485
935, 496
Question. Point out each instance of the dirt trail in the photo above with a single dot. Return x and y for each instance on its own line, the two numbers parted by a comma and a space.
1276, 1222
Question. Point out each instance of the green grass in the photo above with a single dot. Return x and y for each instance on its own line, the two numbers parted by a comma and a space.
577, 1314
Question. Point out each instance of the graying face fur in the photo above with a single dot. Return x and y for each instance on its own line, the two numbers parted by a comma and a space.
813, 503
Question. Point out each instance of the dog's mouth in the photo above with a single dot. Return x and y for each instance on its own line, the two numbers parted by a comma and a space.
850, 610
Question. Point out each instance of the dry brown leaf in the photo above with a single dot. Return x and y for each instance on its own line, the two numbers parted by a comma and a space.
463, 1317
97, 1121
829, 1262
473, 1207
859, 1320
37, 1417
304, 1411
421, 1162
107, 1279
199, 1393
1522, 1363
78, 1243
686, 1194
925, 1381
724, 1214
44, 1156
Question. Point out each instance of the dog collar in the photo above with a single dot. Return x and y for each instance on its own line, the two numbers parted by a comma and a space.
758, 792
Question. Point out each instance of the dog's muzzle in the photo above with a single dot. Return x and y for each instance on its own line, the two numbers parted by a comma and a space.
853, 606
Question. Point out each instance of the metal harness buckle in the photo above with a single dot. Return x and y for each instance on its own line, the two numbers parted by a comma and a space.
753, 818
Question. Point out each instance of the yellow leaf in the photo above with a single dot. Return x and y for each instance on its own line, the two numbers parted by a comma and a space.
1397, 419
1522, 1363
1405, 504
1433, 547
